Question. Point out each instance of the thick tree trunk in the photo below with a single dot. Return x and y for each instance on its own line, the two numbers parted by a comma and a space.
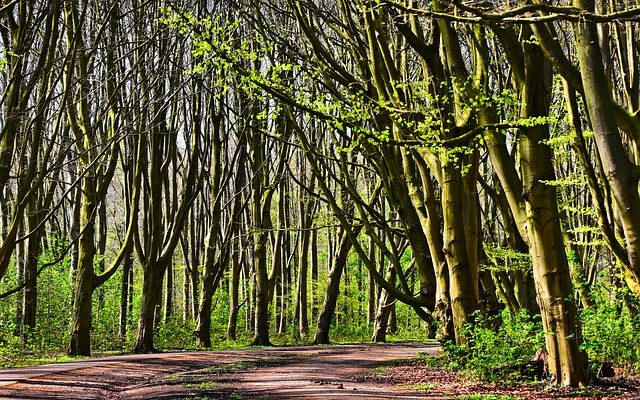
209, 286
550, 267
432, 229
621, 172
261, 336
149, 307
463, 288
80, 344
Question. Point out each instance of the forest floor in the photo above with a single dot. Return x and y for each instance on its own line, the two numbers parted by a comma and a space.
367, 371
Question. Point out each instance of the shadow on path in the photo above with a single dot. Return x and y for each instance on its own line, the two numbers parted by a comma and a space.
301, 372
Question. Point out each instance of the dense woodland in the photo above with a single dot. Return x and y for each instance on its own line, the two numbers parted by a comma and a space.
206, 172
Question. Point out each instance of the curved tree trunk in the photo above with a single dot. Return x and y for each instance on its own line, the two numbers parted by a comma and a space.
209, 287
333, 289
385, 305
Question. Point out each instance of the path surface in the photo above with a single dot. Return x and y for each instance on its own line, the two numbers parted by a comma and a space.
332, 372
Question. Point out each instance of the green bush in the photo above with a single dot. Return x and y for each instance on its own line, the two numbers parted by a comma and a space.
610, 330
489, 351
175, 334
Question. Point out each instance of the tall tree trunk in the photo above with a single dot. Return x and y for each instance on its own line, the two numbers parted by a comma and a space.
125, 290
314, 273
30, 297
550, 266
333, 288
371, 286
385, 304
621, 172
169, 297
234, 295
149, 307
83, 289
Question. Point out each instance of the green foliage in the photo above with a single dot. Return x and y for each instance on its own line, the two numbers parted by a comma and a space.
611, 331
53, 317
489, 351
348, 333
106, 317
505, 259
420, 386
175, 334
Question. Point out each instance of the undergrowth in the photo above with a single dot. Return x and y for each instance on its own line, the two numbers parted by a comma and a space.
611, 328
489, 351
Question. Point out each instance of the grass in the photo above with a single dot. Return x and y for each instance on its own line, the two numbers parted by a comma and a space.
22, 360
205, 385
420, 386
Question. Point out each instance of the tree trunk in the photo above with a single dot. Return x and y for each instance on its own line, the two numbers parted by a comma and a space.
209, 286
385, 304
463, 288
303, 267
234, 304
333, 289
149, 307
30, 297
80, 344
371, 287
125, 290
621, 173
261, 336
168, 299
314, 274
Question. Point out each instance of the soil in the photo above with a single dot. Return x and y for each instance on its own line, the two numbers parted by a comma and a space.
368, 371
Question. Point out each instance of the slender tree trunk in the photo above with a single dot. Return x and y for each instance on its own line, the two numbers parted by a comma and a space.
302, 298
371, 287
30, 304
169, 297
125, 290
234, 295
314, 274
385, 304
20, 276
333, 289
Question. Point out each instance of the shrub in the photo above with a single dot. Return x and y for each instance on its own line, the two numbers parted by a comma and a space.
610, 329
490, 351
175, 334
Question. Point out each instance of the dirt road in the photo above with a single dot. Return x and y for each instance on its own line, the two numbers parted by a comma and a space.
332, 372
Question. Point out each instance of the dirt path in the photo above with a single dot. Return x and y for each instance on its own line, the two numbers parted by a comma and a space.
332, 372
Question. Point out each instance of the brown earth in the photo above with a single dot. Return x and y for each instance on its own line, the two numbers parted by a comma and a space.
331, 372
